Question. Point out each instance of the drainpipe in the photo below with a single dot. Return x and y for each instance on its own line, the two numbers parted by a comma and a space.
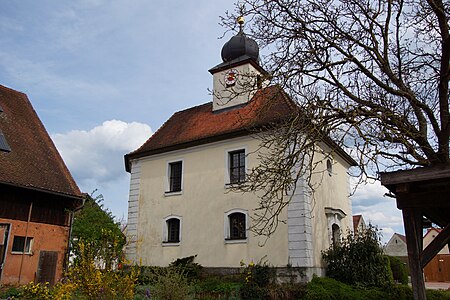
69, 241
25, 242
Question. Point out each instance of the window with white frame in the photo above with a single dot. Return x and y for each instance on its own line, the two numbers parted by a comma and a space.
175, 174
236, 166
22, 244
334, 218
172, 230
236, 225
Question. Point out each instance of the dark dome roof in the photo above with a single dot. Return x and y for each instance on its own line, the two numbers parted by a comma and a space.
240, 45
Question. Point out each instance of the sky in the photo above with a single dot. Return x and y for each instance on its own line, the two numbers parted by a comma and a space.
103, 75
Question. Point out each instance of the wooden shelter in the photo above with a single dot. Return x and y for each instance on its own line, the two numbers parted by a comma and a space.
423, 195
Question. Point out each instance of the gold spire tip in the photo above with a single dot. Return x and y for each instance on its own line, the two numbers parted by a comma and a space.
240, 20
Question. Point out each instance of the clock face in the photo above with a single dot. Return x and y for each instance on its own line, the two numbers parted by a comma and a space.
230, 77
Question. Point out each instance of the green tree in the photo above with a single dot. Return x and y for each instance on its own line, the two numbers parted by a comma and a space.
371, 74
95, 228
358, 259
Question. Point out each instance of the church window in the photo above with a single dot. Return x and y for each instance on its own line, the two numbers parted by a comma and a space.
237, 166
175, 176
172, 230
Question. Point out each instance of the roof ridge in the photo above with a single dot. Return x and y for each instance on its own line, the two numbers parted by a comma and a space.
165, 123
12, 90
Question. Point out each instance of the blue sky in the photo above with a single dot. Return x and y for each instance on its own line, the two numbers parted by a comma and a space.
104, 75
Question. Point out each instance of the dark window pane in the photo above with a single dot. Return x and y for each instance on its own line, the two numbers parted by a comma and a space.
175, 176
19, 243
237, 226
237, 166
173, 230
4, 144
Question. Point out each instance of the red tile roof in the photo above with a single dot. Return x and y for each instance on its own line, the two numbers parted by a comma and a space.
200, 124
33, 161
356, 219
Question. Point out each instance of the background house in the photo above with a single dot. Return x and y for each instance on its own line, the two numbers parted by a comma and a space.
181, 198
396, 246
37, 194
358, 223
438, 269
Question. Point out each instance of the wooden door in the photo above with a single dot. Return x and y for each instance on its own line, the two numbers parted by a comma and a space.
438, 269
46, 271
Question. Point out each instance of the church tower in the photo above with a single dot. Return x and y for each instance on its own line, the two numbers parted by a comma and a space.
239, 76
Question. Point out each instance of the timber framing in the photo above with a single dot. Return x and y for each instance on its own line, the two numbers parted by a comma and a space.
422, 194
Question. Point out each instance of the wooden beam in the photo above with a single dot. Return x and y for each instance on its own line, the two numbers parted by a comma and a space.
412, 219
439, 199
439, 242
414, 175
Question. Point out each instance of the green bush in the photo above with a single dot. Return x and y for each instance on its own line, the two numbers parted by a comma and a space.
148, 274
438, 295
286, 291
10, 291
187, 265
256, 279
170, 283
398, 268
328, 288
358, 259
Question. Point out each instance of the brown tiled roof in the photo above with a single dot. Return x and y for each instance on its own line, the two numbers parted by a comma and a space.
33, 161
200, 124
356, 219
402, 237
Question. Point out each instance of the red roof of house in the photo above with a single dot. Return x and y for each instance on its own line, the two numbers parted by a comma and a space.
200, 124
356, 219
401, 236
33, 161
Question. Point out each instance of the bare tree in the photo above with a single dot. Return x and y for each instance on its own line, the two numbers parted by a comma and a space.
371, 74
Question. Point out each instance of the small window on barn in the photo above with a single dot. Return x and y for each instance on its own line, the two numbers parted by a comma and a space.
4, 144
20, 246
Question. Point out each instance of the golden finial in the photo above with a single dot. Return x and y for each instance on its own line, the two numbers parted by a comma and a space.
240, 21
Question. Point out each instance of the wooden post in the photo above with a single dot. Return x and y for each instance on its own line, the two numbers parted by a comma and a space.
412, 219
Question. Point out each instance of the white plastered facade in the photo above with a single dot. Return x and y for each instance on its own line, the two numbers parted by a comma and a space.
206, 199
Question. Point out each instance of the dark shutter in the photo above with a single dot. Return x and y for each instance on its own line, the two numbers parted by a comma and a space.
46, 271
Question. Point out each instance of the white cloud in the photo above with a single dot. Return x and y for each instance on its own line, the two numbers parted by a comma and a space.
95, 158
377, 209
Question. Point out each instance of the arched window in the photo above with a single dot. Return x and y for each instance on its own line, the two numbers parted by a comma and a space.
172, 230
237, 226
329, 167
336, 235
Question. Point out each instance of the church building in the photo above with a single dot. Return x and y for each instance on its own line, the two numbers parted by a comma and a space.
182, 200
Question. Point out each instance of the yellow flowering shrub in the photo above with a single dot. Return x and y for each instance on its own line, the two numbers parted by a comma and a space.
36, 291
85, 281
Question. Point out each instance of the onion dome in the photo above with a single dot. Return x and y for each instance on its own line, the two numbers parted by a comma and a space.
240, 45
